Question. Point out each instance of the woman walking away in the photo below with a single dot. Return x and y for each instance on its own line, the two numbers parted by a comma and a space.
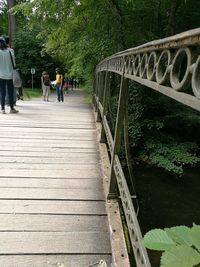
45, 81
59, 83
6, 73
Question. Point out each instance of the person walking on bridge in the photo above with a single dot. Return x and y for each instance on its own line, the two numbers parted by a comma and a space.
6, 73
59, 84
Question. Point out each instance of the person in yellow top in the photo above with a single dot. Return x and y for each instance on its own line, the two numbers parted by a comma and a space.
59, 85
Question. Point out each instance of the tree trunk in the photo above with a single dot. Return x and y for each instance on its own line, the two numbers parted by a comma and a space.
172, 17
120, 13
11, 21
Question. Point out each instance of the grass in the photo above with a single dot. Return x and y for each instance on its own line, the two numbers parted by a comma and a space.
87, 90
30, 93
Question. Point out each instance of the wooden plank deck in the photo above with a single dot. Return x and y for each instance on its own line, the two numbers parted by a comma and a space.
52, 205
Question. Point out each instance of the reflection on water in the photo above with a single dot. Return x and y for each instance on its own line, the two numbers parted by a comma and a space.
167, 201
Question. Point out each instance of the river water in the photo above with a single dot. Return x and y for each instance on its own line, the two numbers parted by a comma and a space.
166, 200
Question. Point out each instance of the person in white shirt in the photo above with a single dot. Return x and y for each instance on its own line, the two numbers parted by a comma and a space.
6, 72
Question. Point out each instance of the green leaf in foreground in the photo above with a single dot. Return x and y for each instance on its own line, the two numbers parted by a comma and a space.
158, 239
195, 236
180, 234
180, 256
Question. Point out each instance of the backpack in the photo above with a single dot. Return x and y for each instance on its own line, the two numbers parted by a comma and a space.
46, 80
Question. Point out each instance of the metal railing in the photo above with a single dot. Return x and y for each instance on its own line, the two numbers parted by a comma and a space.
170, 66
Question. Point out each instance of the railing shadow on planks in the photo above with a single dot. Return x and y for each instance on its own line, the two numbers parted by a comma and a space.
167, 66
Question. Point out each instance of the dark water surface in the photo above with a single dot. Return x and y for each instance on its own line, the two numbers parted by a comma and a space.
167, 201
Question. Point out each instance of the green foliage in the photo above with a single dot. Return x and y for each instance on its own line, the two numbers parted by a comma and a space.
195, 236
28, 45
171, 155
180, 256
87, 93
180, 244
3, 19
160, 131
158, 240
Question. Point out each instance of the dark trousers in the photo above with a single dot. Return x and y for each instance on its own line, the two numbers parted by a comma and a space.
10, 89
59, 92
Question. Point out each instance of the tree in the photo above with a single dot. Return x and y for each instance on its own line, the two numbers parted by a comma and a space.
3, 18
12, 21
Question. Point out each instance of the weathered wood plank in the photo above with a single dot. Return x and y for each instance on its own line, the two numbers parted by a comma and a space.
33, 141
54, 242
49, 160
47, 193
49, 126
52, 261
73, 173
41, 144
49, 167
67, 156
52, 207
49, 137
17, 132
51, 183
52, 223
50, 149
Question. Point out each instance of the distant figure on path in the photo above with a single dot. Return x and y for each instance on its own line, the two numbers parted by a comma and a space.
77, 83
71, 83
6, 73
66, 85
59, 85
45, 82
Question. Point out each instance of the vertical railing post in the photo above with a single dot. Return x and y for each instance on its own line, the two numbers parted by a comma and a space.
118, 132
96, 91
94, 88
105, 104
100, 88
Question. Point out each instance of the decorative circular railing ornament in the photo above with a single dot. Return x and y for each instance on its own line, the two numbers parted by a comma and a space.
122, 61
132, 64
180, 69
127, 65
196, 78
143, 65
136, 64
120, 64
117, 64
151, 66
162, 68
